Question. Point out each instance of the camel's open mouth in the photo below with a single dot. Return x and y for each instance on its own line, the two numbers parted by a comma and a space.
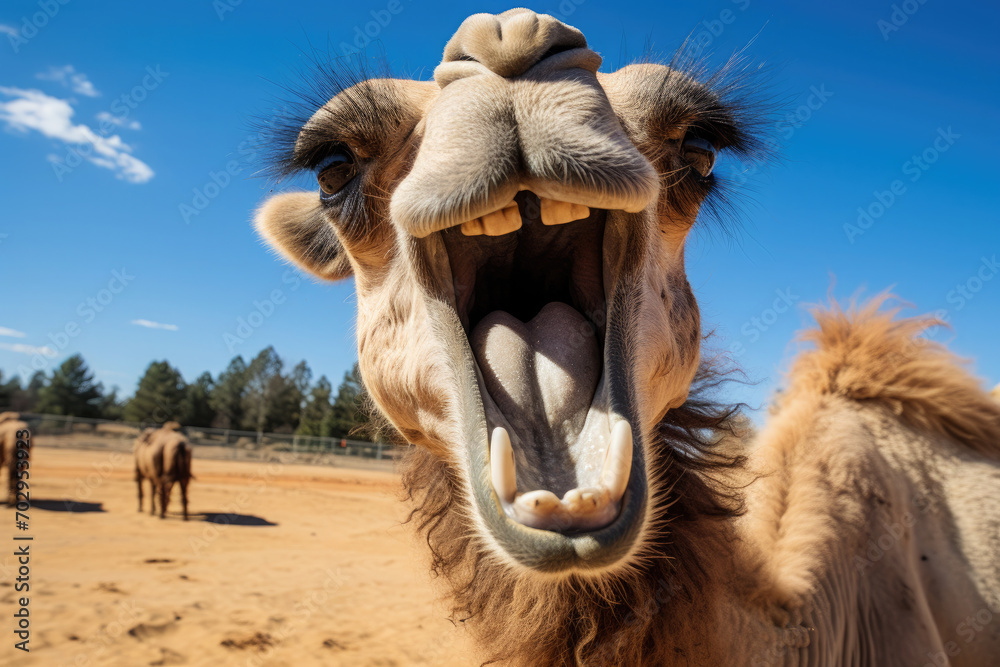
530, 294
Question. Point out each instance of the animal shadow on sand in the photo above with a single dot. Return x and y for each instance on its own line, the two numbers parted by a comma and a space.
73, 506
236, 519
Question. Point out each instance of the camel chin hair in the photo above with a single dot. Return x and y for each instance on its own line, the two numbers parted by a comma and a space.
516, 231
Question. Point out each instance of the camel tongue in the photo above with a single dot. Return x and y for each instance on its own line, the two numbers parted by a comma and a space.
541, 374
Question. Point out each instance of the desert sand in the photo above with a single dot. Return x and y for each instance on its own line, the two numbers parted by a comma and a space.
279, 565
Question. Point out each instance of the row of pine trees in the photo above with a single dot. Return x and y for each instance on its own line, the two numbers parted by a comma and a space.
257, 396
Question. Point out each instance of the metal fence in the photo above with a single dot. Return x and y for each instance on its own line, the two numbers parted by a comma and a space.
215, 443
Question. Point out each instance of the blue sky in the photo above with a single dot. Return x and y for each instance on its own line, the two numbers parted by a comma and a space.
116, 116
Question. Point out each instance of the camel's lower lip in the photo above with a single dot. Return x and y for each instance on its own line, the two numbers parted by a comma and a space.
565, 540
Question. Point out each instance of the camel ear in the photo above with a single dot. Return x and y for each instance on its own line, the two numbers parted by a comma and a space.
293, 224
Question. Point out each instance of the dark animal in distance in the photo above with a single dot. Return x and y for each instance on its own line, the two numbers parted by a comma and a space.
163, 456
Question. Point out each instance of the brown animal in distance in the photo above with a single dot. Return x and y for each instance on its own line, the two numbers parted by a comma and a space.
10, 424
163, 456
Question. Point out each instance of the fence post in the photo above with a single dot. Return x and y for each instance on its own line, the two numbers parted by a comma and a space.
69, 424
379, 449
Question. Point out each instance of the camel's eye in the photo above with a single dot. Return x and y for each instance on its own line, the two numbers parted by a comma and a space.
700, 154
336, 171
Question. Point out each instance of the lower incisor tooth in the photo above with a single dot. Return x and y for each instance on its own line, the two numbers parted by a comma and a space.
560, 212
538, 502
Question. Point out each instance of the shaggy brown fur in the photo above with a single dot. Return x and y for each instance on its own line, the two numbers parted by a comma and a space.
10, 424
163, 457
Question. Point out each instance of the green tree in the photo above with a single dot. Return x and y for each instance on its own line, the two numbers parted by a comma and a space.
285, 410
263, 384
26, 399
8, 390
112, 407
347, 415
71, 390
317, 408
198, 409
159, 397
228, 393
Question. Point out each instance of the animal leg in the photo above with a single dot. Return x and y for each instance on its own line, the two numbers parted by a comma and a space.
184, 497
165, 488
138, 483
152, 497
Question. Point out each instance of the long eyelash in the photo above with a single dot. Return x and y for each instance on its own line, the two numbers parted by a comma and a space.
731, 106
280, 131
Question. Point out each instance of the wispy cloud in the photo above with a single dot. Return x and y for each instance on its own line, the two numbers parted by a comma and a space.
34, 110
69, 77
30, 350
106, 117
149, 324
13, 333
8, 30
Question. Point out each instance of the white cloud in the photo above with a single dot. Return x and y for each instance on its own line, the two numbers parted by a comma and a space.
13, 333
149, 324
9, 30
29, 350
34, 110
106, 117
69, 77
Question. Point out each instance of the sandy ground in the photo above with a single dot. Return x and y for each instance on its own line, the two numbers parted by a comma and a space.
279, 565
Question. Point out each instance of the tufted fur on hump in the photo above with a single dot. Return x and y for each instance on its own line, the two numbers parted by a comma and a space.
864, 353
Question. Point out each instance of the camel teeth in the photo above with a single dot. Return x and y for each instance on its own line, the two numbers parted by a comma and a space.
560, 212
618, 464
473, 227
537, 503
504, 221
582, 508
502, 465
499, 222
585, 501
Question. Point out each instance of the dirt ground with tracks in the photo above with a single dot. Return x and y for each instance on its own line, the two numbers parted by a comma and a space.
279, 565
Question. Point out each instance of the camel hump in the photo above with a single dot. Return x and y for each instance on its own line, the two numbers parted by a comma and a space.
171, 426
865, 353
9, 416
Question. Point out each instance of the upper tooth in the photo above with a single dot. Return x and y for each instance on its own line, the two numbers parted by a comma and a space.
502, 465
618, 464
560, 212
504, 221
473, 227
499, 222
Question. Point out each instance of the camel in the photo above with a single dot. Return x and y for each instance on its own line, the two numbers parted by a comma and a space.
10, 425
163, 456
515, 228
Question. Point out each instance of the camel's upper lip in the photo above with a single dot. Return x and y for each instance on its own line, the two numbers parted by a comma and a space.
525, 274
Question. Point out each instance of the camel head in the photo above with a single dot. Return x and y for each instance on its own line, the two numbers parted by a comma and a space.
516, 231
